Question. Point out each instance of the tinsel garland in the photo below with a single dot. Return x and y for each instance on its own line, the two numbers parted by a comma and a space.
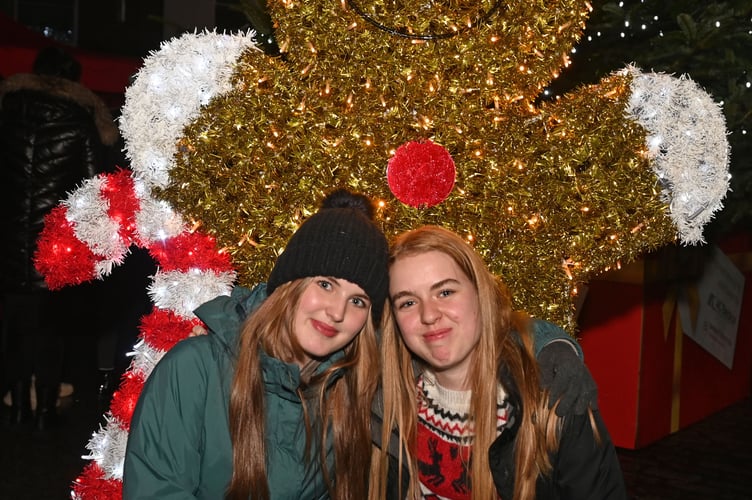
232, 149
421, 174
549, 195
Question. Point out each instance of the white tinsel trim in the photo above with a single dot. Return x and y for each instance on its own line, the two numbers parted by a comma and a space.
183, 292
107, 447
87, 212
156, 221
145, 358
687, 146
168, 92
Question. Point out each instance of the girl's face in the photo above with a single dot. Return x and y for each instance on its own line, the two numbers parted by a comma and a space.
436, 308
330, 314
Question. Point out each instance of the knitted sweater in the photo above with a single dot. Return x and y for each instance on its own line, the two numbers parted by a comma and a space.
445, 438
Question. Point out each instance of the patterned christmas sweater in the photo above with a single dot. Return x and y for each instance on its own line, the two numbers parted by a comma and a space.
445, 438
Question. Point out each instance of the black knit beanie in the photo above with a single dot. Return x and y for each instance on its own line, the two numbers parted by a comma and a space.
341, 241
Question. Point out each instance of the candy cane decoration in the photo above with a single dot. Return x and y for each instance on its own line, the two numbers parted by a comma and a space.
93, 229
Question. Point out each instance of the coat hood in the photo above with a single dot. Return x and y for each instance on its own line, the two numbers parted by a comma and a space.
66, 89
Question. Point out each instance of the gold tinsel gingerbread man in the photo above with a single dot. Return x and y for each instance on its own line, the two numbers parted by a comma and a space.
430, 108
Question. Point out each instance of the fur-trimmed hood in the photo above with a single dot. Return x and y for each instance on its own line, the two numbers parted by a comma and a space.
67, 89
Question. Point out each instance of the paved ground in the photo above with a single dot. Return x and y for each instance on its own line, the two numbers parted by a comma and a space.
711, 460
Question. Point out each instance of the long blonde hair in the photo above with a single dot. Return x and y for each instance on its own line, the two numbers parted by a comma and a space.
507, 356
343, 407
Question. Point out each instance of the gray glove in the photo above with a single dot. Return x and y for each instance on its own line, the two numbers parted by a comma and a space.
567, 379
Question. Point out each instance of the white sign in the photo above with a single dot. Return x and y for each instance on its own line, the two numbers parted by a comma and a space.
709, 310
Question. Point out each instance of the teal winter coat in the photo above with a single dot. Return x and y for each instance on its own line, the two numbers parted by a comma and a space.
179, 442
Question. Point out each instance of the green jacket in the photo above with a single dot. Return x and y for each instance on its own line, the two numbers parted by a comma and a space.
179, 443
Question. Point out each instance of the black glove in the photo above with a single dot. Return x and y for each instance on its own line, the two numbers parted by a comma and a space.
567, 379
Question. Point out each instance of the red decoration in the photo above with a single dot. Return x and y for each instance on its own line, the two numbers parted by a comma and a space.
421, 174
92, 485
61, 257
125, 398
122, 202
189, 251
162, 329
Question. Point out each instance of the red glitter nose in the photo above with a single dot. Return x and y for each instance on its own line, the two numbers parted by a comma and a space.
421, 174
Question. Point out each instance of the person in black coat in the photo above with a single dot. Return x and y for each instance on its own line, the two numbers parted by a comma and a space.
54, 133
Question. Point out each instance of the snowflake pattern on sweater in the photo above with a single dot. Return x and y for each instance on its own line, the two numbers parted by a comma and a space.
444, 440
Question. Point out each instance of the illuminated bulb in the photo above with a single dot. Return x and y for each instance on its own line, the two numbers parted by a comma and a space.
585, 209
494, 38
522, 68
311, 48
655, 141
352, 26
305, 70
566, 264
368, 142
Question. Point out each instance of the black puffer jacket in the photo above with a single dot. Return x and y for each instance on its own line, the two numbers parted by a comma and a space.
53, 135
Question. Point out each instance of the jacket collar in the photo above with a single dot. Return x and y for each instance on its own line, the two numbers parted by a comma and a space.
283, 378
